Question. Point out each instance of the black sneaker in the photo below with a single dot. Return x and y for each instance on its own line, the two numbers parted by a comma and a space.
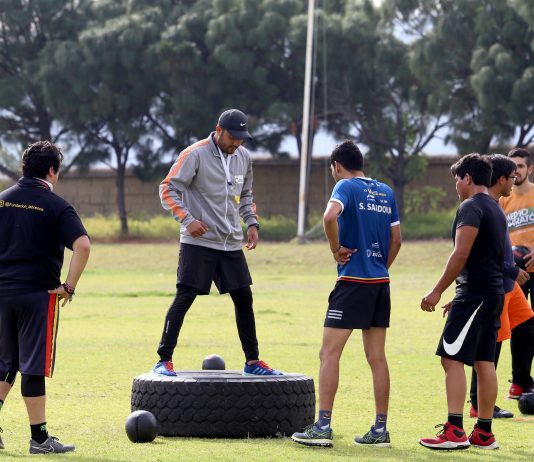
499, 413
51, 445
1, 442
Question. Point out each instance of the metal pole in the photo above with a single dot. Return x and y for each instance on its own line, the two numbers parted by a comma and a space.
305, 136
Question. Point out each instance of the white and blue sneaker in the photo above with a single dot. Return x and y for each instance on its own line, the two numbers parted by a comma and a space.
164, 368
258, 369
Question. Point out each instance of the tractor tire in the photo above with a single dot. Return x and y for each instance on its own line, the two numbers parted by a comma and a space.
225, 403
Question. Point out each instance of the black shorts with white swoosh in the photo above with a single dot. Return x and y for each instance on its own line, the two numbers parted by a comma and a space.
470, 332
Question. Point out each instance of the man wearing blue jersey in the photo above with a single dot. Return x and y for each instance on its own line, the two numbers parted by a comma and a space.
362, 225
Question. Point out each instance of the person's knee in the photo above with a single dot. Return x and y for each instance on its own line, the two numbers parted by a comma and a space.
329, 353
375, 358
185, 296
32, 386
242, 295
8, 376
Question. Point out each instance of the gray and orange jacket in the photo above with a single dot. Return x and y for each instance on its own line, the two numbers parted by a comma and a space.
196, 188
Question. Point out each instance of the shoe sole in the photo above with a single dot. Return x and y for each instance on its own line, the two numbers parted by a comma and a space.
164, 375
447, 446
373, 445
494, 445
246, 374
496, 416
320, 443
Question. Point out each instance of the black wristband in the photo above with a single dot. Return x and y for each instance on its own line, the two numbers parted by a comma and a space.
256, 225
69, 289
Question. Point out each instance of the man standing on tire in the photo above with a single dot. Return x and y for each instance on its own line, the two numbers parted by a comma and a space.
470, 333
207, 190
362, 226
519, 210
35, 227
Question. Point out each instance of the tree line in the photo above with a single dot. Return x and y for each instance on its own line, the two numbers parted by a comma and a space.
132, 82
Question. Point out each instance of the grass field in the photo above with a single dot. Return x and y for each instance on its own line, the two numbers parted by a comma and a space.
109, 334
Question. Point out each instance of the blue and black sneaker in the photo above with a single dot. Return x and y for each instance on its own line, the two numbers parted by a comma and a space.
164, 368
314, 436
259, 369
378, 440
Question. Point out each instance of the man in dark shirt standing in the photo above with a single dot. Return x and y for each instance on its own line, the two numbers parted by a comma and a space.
470, 333
35, 227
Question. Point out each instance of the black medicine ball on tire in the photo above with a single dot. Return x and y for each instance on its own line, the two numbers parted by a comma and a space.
213, 363
519, 252
141, 427
526, 403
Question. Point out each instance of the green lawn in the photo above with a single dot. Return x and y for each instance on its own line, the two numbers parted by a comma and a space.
110, 333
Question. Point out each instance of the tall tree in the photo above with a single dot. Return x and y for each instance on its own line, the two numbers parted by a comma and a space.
109, 74
26, 28
380, 100
217, 54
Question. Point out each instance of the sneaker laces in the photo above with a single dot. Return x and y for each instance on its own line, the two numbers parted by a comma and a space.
263, 365
169, 366
442, 429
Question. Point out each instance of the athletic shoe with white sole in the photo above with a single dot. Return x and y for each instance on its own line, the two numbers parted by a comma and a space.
483, 440
164, 368
314, 436
50, 446
449, 437
377, 440
260, 368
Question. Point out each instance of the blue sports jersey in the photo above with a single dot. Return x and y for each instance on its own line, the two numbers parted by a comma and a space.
368, 212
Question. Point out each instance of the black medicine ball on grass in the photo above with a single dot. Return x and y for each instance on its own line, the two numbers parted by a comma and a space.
141, 427
214, 363
519, 255
526, 403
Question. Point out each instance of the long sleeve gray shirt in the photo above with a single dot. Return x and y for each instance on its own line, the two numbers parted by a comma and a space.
197, 188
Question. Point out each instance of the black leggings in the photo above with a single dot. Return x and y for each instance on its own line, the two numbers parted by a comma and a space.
185, 296
528, 288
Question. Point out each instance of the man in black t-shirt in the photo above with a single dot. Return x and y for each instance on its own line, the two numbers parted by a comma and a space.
35, 227
470, 333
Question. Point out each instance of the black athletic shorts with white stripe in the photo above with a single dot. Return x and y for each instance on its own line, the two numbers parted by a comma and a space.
356, 305
198, 266
470, 333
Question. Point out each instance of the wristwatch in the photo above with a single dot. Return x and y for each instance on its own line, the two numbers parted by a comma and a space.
256, 225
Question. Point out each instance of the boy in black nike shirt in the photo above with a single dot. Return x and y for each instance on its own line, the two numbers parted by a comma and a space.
470, 333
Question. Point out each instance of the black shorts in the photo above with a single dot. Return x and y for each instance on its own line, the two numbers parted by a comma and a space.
354, 305
28, 330
470, 333
199, 266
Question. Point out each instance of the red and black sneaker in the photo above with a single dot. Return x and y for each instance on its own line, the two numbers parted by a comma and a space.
483, 440
448, 438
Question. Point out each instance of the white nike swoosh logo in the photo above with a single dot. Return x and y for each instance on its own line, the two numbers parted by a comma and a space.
452, 348
242, 124
48, 449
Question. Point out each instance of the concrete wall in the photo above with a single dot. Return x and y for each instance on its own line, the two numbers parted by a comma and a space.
276, 186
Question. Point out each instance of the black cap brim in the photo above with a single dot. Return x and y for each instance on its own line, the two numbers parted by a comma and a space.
240, 134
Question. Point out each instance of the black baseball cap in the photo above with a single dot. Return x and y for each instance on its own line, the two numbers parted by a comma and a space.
236, 123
